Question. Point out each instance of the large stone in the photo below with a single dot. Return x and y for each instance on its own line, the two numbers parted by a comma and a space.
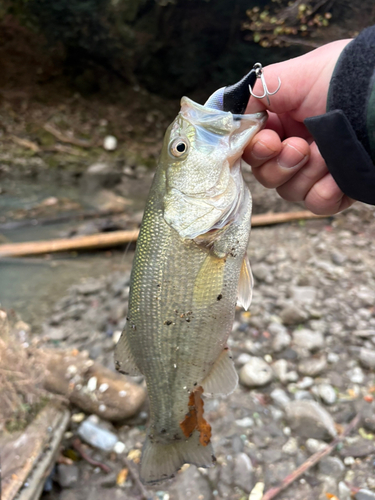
310, 420
255, 373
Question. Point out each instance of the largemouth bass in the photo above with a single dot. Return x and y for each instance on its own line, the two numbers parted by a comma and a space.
190, 269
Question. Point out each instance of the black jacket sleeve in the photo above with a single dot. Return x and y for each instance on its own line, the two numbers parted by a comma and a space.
345, 135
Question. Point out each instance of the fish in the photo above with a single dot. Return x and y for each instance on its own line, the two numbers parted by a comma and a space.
190, 269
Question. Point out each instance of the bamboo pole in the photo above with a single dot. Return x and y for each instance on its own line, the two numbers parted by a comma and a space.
118, 238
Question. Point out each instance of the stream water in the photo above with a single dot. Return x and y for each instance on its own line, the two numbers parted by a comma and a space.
32, 285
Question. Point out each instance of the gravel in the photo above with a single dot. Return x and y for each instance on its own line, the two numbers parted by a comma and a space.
305, 357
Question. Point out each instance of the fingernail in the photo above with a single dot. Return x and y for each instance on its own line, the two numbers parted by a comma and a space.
261, 152
290, 157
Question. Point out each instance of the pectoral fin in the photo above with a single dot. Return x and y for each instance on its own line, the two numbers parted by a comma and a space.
209, 281
245, 285
223, 378
124, 359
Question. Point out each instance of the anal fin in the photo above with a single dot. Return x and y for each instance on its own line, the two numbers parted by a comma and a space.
245, 285
124, 359
223, 378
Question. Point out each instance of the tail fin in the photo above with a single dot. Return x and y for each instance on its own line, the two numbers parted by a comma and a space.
161, 461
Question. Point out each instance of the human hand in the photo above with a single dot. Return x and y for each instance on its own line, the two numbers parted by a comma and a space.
284, 155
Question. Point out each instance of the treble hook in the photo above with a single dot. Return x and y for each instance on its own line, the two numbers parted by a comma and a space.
259, 74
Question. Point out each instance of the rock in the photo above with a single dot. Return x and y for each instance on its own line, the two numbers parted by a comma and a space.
305, 383
344, 491
67, 475
312, 366
245, 422
88, 287
110, 143
361, 448
304, 294
328, 487
97, 436
280, 367
365, 495
338, 258
243, 358
281, 341
100, 175
367, 357
291, 446
262, 272
303, 395
243, 472
332, 466
190, 484
280, 397
310, 420
356, 375
333, 358
308, 339
293, 314
314, 445
327, 393
255, 373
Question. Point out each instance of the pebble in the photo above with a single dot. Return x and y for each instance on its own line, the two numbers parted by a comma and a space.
367, 357
327, 393
293, 314
344, 491
303, 395
332, 466
304, 294
257, 492
243, 358
281, 341
291, 446
314, 445
97, 436
245, 422
280, 397
333, 358
365, 495
349, 460
356, 375
110, 143
67, 475
243, 472
308, 339
312, 366
280, 368
255, 373
305, 383
309, 419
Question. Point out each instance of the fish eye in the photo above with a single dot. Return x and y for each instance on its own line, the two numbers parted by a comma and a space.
178, 147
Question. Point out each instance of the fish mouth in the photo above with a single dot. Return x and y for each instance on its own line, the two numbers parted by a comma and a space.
233, 98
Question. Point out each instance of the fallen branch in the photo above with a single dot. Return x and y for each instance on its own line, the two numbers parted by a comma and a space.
48, 127
118, 238
101, 240
310, 462
77, 445
26, 143
278, 218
